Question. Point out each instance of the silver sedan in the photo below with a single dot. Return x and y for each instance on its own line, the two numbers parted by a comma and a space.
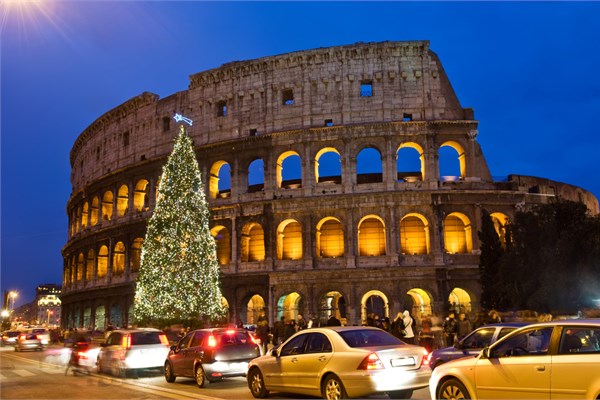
341, 362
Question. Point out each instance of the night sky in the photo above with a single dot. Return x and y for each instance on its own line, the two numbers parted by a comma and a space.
530, 70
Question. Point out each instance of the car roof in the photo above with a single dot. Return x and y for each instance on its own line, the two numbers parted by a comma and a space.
136, 330
516, 324
569, 322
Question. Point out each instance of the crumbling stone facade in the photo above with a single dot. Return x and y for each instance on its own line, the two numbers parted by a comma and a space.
368, 238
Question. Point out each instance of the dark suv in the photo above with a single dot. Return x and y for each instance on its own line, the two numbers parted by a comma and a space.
211, 354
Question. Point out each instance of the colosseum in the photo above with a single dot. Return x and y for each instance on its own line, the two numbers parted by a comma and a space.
326, 173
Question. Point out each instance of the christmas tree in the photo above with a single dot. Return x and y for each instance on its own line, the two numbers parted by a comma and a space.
178, 278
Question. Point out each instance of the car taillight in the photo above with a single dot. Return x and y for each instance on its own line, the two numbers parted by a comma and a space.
371, 362
39, 337
126, 343
163, 339
21, 337
426, 358
230, 332
212, 342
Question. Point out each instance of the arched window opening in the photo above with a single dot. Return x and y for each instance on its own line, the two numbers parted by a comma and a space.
253, 243
421, 303
369, 166
116, 315
122, 201
330, 238
95, 210
289, 170
85, 215
332, 303
219, 182
459, 301
99, 318
414, 235
374, 306
371, 237
328, 166
289, 240
256, 176
410, 163
135, 258
223, 241
107, 206
457, 234
80, 259
89, 265
118, 266
288, 306
141, 200
73, 222
255, 306
500, 221
102, 262
452, 161
73, 270
78, 220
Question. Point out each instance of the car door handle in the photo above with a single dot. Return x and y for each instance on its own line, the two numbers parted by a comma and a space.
322, 358
294, 360
540, 368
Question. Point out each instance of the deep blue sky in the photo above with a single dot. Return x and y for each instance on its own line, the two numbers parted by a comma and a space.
530, 71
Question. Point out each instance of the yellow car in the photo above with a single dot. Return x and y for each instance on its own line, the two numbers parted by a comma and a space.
341, 362
551, 360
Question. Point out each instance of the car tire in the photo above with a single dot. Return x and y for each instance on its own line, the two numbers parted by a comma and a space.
201, 378
400, 394
169, 375
256, 384
452, 389
333, 388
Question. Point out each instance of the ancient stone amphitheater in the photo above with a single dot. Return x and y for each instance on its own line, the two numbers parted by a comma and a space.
324, 170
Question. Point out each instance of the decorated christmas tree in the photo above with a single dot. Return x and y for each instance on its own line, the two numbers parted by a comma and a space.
178, 278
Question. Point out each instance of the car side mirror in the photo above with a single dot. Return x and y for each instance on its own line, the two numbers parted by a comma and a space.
459, 346
274, 353
487, 353
173, 348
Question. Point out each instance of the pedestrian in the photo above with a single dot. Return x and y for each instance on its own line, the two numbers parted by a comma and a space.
386, 325
279, 328
398, 326
333, 321
494, 317
301, 323
262, 331
290, 329
313, 322
480, 320
463, 326
409, 327
449, 329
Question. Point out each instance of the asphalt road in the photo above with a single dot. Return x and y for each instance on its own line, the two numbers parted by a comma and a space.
41, 375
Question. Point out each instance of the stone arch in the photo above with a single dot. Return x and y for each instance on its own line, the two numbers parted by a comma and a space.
500, 220
374, 301
95, 210
369, 165
459, 301
449, 158
80, 264
141, 199
407, 162
333, 303
289, 305
135, 257
218, 188
458, 237
226, 308
289, 240
414, 234
253, 307
223, 240
421, 302
89, 265
85, 215
328, 159
78, 219
102, 262
289, 170
118, 262
253, 242
256, 176
330, 238
371, 236
100, 317
122, 200
107, 205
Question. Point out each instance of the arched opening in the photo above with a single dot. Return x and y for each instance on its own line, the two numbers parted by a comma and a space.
107, 206
78, 220
256, 176
100, 317
421, 303
414, 235
330, 238
135, 258
122, 200
369, 168
253, 242
410, 163
89, 265
80, 259
452, 161
371, 236
289, 240
223, 241
328, 166
102, 262
116, 316
219, 183
457, 234
459, 301
332, 303
87, 317
500, 221
289, 306
95, 210
225, 307
141, 200
118, 265
374, 303
289, 170
85, 215
255, 306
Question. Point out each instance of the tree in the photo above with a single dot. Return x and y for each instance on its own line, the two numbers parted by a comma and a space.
489, 261
178, 278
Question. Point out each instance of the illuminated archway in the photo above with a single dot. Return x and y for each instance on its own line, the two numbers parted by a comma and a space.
371, 236
102, 262
122, 200
289, 306
369, 167
289, 170
84, 215
457, 234
118, 264
327, 160
414, 234
289, 240
254, 307
410, 167
374, 302
78, 219
223, 241
135, 257
80, 259
330, 238
107, 205
141, 201
421, 303
219, 183
95, 210
460, 301
332, 303
253, 242
99, 318
448, 160
89, 265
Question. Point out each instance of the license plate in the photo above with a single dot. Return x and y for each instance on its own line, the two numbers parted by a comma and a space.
403, 362
238, 366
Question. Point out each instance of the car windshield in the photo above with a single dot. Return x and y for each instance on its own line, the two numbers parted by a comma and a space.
369, 337
233, 338
139, 338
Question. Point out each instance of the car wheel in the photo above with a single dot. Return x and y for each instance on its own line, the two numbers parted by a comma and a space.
452, 389
333, 388
256, 384
169, 375
201, 379
400, 394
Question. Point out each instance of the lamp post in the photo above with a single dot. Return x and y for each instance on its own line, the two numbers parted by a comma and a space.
12, 295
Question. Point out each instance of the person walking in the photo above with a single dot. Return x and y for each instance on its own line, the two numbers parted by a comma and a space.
301, 323
279, 334
463, 326
262, 331
409, 325
397, 327
449, 329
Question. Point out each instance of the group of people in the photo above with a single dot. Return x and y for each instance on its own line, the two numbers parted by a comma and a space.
456, 329
404, 326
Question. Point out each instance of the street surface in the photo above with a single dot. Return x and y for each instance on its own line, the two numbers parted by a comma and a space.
41, 375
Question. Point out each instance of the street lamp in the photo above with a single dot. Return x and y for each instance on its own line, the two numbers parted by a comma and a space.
50, 312
12, 294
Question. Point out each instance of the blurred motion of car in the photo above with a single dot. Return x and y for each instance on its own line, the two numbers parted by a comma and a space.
9, 338
130, 350
43, 334
549, 360
471, 345
209, 355
29, 341
340, 362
